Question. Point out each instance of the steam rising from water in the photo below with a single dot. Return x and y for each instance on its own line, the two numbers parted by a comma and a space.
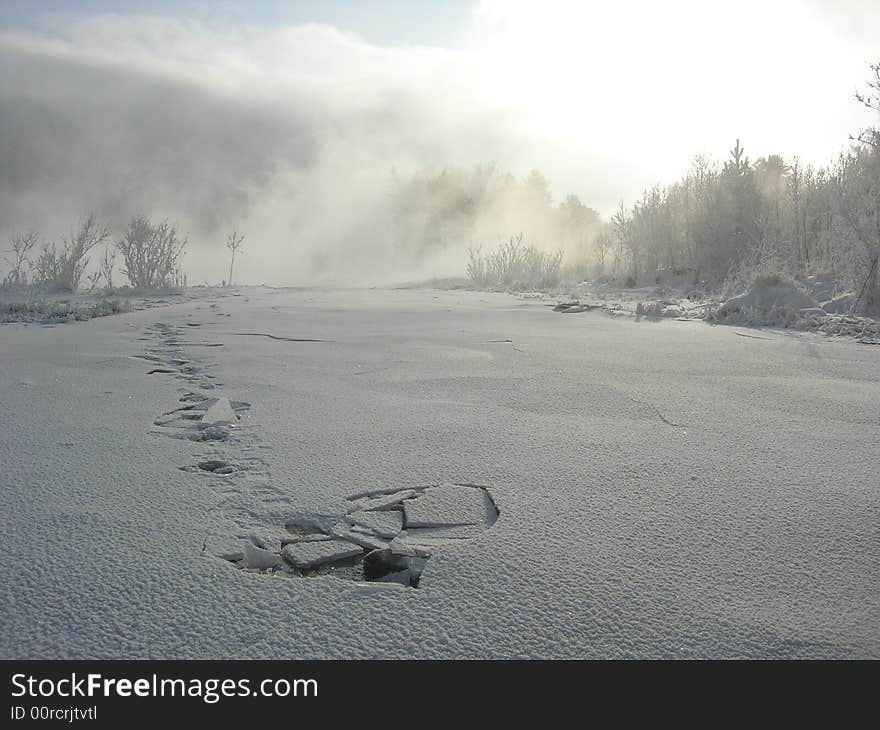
289, 135
293, 134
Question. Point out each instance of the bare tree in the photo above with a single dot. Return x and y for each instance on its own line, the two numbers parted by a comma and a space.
108, 260
76, 249
21, 245
622, 224
233, 243
601, 247
93, 280
151, 253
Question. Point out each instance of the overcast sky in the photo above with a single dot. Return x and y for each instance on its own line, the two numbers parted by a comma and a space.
279, 115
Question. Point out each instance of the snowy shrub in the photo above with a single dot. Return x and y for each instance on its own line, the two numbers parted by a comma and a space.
865, 328
651, 309
47, 267
515, 266
108, 307
40, 310
62, 270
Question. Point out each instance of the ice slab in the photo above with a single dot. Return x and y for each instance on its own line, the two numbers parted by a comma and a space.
312, 537
448, 505
311, 554
420, 535
384, 524
400, 546
310, 522
384, 502
346, 532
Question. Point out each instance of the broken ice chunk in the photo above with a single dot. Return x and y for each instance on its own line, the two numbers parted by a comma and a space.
384, 524
305, 555
258, 557
307, 523
311, 537
346, 532
416, 567
427, 535
220, 412
385, 502
448, 505
400, 546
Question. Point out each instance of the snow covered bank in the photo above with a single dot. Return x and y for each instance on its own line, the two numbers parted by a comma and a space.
780, 302
46, 311
770, 300
814, 304
31, 304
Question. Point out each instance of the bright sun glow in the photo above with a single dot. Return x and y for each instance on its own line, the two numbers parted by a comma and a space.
659, 82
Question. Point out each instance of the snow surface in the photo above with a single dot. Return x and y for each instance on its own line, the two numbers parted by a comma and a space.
666, 489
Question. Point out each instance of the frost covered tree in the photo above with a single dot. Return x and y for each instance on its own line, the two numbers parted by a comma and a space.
858, 188
871, 99
858, 202
108, 263
621, 222
578, 223
772, 180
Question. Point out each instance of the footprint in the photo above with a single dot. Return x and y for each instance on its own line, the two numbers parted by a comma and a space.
214, 466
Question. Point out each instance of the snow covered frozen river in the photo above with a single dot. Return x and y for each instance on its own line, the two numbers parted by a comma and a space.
664, 489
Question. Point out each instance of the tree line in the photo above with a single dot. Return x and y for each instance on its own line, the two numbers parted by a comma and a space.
151, 257
720, 222
151, 254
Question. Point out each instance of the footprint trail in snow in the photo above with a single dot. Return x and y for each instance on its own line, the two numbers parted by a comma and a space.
385, 535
